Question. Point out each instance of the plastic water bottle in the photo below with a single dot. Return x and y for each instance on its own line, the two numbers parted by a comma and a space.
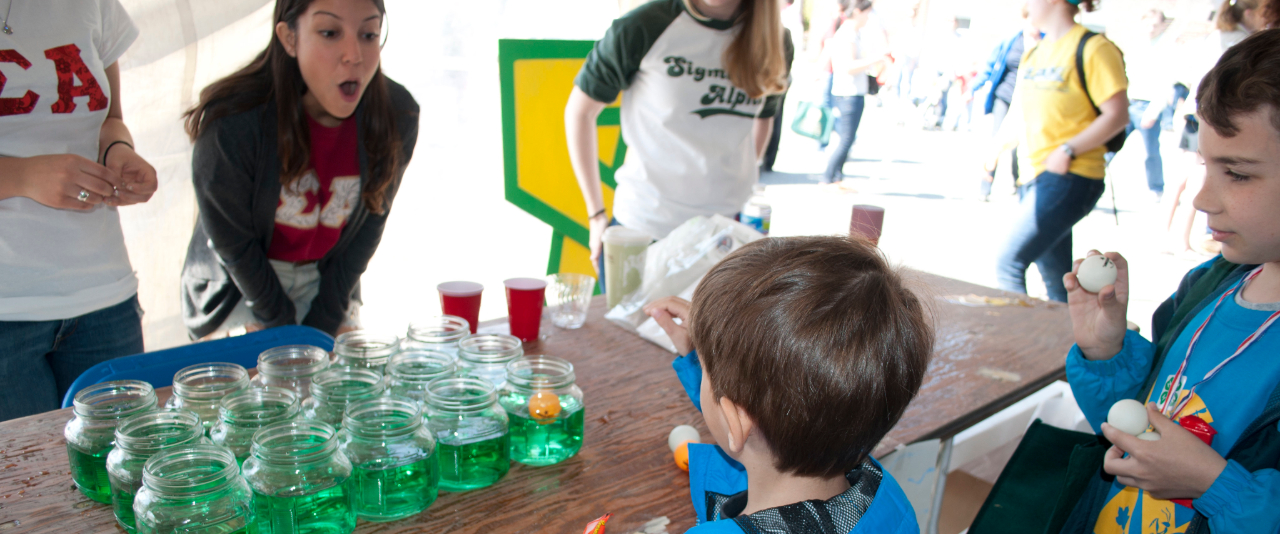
757, 213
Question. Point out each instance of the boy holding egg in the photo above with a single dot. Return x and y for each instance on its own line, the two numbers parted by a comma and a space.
808, 350
1211, 378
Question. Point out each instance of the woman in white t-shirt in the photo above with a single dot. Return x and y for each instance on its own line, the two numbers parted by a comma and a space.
703, 80
69, 297
852, 63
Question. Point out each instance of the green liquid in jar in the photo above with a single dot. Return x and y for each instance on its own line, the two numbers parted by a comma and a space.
122, 501
325, 512
473, 465
89, 472
550, 442
394, 493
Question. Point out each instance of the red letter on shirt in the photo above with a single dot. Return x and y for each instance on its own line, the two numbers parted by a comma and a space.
27, 102
67, 59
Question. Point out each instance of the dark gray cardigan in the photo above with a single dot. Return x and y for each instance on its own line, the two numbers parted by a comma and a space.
236, 172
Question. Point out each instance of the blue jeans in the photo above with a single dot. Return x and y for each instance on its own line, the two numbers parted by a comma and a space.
1049, 206
40, 359
851, 108
1151, 139
828, 101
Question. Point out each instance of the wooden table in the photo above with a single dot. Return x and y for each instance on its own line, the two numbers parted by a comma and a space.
987, 358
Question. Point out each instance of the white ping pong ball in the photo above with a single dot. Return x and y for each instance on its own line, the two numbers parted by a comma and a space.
1128, 416
682, 434
1149, 436
1096, 272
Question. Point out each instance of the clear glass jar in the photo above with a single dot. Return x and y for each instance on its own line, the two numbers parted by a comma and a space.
299, 480
334, 389
291, 366
470, 431
243, 413
440, 333
545, 408
486, 356
199, 388
364, 349
395, 473
138, 438
410, 371
91, 433
193, 489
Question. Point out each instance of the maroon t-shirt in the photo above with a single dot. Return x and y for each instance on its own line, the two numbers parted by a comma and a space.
314, 209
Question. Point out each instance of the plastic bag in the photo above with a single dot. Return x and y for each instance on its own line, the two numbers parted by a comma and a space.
813, 120
673, 267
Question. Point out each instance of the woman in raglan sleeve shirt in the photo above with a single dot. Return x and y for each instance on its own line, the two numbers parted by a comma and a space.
297, 159
68, 294
702, 81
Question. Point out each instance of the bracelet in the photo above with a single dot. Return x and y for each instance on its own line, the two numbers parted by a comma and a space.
110, 146
596, 214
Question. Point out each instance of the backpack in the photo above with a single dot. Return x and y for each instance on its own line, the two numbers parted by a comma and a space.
1115, 143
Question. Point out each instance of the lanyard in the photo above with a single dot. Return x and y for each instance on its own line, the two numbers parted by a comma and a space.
1164, 408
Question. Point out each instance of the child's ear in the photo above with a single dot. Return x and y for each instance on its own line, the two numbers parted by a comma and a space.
738, 424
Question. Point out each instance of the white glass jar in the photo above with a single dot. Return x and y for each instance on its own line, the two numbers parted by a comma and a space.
199, 388
486, 356
364, 349
441, 334
291, 366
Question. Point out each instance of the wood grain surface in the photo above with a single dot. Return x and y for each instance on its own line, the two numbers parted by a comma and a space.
986, 359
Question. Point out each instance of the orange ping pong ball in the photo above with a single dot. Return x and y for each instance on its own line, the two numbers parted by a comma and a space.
544, 406
682, 456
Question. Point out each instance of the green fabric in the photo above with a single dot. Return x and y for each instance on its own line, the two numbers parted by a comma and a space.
1042, 482
613, 63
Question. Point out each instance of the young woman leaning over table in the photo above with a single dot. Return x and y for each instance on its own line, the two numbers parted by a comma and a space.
1063, 128
703, 80
69, 296
297, 159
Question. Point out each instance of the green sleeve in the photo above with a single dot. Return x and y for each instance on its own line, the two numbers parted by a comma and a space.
772, 102
613, 63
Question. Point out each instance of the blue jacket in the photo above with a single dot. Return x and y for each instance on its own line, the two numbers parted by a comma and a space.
994, 71
711, 470
1244, 496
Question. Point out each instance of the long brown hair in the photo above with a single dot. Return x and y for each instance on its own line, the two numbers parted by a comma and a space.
755, 60
274, 75
1231, 14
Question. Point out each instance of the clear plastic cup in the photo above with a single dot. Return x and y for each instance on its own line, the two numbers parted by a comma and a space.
568, 297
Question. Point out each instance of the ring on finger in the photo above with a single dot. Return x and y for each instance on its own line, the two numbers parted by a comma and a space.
83, 196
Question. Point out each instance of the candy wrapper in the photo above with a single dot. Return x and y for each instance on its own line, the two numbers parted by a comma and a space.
1202, 430
597, 526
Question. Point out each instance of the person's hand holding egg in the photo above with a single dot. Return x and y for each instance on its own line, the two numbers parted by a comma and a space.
1098, 296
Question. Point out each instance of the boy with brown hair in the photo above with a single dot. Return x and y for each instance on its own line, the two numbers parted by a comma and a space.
808, 350
1213, 367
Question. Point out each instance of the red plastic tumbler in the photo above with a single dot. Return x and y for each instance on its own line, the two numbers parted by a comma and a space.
866, 222
461, 299
524, 306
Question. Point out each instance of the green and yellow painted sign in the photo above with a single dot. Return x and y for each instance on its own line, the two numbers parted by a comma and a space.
537, 77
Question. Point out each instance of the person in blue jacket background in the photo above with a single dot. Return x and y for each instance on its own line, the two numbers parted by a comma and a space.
808, 350
1215, 350
1001, 72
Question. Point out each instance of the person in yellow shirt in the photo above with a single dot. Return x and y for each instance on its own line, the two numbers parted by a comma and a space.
1063, 131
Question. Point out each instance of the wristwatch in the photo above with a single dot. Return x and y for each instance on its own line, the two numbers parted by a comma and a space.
1071, 153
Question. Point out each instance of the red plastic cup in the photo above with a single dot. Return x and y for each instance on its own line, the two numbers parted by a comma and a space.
866, 222
461, 299
524, 306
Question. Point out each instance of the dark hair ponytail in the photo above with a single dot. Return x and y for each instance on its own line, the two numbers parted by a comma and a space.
274, 75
